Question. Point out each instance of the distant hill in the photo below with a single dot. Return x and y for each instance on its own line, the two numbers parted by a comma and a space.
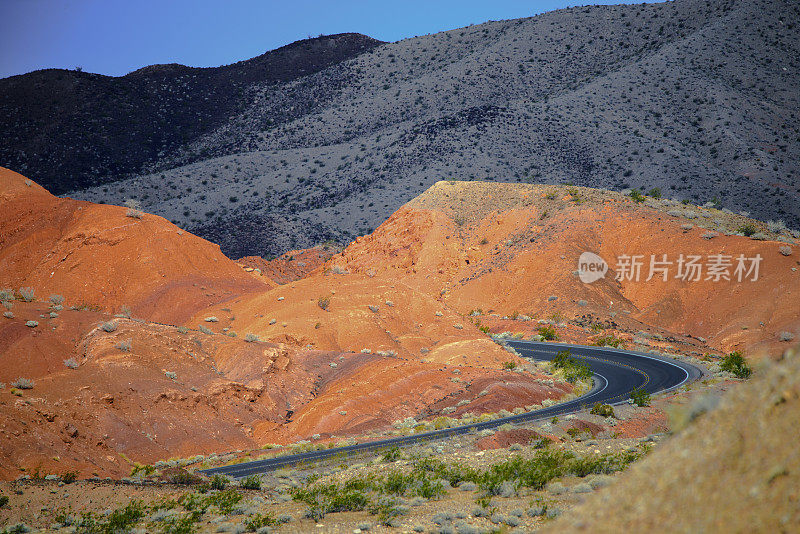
70, 129
697, 98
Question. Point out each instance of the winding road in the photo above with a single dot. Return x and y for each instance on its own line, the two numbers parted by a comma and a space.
616, 373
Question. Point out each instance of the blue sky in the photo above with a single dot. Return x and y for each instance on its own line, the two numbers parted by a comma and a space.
115, 37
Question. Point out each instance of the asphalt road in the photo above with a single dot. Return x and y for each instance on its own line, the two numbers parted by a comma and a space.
616, 373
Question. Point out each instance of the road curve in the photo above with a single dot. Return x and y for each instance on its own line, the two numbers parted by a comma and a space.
616, 373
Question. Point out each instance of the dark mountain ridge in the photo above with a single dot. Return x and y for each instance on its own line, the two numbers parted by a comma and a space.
69, 129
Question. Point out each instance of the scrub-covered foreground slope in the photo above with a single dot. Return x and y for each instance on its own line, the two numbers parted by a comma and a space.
695, 97
735, 470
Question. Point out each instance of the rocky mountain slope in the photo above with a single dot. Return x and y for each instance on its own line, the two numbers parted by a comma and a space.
69, 129
695, 97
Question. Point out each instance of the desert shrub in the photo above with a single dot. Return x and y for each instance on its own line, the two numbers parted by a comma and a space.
23, 383
31, 324
735, 364
56, 300
252, 482
182, 476
133, 209
655, 192
70, 363
27, 294
776, 226
6, 295
509, 366
124, 346
172, 375
142, 468
747, 229
251, 338
257, 521
324, 302
786, 336
225, 500
636, 195
606, 410
211, 319
219, 482
183, 330
609, 340
120, 520
180, 524
109, 326
573, 369
640, 397
323, 499
69, 477
541, 443
548, 333
391, 455
205, 330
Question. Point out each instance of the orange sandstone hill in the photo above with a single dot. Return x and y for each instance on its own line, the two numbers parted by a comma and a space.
96, 255
87, 390
514, 248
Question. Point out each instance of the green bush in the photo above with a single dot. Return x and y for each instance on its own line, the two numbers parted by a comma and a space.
640, 397
655, 192
392, 455
3, 500
253, 482
179, 524
573, 369
747, 229
27, 294
609, 340
218, 482
142, 468
548, 333
385, 509
120, 520
509, 366
636, 195
736, 364
323, 499
257, 521
224, 500
606, 410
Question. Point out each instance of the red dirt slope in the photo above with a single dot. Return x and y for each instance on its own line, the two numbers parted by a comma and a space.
515, 248
292, 265
95, 255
